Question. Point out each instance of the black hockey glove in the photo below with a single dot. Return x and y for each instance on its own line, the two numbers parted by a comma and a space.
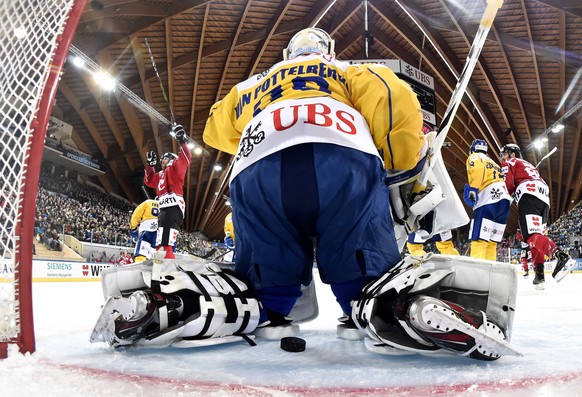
151, 158
179, 133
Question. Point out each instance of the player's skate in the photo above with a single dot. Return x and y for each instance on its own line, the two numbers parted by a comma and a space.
466, 332
276, 327
539, 278
348, 330
563, 265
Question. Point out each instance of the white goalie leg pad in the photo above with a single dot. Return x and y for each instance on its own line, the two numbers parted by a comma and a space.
123, 280
226, 307
480, 285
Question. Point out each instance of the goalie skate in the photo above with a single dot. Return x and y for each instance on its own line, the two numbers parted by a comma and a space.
489, 339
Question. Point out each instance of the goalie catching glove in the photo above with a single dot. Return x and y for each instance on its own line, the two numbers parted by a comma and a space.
189, 305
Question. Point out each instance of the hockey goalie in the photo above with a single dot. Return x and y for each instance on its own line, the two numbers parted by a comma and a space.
434, 304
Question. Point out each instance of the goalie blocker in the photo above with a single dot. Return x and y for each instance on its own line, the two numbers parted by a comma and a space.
439, 304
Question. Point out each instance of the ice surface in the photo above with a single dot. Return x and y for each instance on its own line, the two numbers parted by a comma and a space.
546, 330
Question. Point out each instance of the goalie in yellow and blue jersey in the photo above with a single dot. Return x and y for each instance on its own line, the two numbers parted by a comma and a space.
306, 136
487, 194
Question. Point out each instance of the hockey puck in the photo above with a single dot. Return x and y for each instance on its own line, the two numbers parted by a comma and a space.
293, 344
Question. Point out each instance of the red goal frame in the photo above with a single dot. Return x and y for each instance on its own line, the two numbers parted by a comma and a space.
24, 222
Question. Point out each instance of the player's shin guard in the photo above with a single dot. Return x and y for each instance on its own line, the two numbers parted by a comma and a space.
415, 249
541, 246
479, 249
491, 251
446, 248
169, 252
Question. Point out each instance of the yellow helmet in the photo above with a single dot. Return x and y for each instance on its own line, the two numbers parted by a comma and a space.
309, 41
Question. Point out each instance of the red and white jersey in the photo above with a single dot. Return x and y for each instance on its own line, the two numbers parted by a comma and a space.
521, 177
169, 182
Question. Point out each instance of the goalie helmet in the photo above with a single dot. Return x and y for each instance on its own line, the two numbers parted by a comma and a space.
309, 41
511, 148
478, 146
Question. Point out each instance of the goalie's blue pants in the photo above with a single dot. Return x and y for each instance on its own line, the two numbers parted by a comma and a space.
307, 196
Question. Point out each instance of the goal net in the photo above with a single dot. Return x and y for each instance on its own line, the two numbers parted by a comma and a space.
34, 39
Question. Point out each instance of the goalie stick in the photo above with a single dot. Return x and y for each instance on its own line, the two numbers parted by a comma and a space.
554, 150
459, 91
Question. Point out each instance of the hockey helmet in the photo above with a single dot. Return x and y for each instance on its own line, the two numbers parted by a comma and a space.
170, 156
478, 146
511, 148
309, 41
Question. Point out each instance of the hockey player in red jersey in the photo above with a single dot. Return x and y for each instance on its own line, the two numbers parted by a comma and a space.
168, 184
532, 195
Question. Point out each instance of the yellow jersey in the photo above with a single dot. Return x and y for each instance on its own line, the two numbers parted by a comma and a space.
145, 216
334, 97
482, 171
229, 226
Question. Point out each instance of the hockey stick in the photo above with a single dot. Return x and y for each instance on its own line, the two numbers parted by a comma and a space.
139, 103
554, 150
173, 119
459, 91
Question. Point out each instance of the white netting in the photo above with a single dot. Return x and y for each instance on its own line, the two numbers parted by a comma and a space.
28, 38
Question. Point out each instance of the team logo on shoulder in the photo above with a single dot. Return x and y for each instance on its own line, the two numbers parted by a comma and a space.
251, 138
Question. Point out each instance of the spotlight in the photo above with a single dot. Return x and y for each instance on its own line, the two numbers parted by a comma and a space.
558, 127
217, 167
198, 151
78, 62
538, 144
107, 82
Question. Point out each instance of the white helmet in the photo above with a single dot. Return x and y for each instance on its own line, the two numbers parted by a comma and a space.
309, 41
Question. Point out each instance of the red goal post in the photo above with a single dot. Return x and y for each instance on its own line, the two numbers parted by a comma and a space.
35, 36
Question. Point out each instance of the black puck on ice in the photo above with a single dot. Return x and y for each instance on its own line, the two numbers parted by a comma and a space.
292, 344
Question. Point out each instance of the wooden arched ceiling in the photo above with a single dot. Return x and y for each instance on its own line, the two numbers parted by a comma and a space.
525, 80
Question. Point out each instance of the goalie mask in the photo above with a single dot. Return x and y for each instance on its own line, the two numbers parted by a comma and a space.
309, 41
478, 146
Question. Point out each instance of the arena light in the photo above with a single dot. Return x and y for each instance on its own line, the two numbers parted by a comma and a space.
558, 127
105, 80
538, 144
217, 167
544, 139
198, 151
78, 62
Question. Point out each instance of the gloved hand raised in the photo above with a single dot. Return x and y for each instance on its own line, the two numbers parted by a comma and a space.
179, 133
151, 158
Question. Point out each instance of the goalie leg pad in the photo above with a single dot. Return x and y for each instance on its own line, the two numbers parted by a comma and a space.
191, 304
479, 288
463, 331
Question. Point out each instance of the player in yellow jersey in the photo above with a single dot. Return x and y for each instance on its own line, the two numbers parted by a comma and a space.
442, 240
487, 194
229, 231
307, 136
144, 228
